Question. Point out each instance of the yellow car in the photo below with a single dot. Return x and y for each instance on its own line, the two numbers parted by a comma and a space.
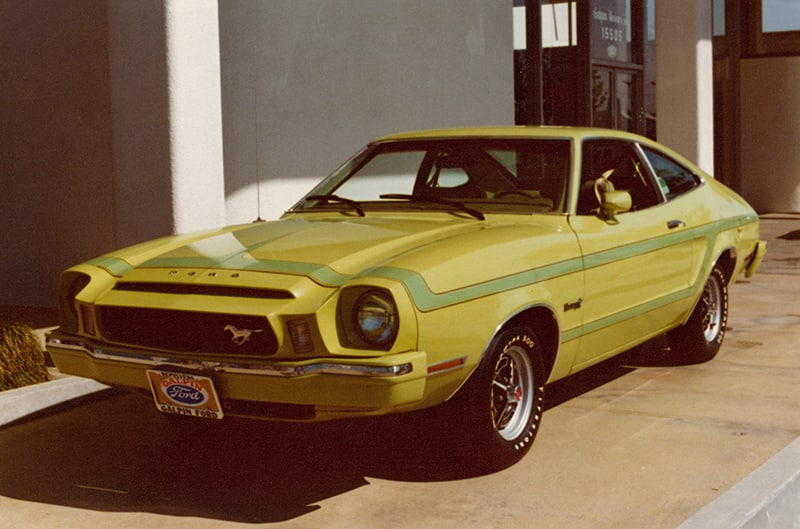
464, 267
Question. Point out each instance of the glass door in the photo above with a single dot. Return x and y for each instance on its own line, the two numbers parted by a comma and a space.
615, 99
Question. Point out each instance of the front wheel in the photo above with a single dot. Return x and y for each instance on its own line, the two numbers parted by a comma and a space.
700, 338
505, 398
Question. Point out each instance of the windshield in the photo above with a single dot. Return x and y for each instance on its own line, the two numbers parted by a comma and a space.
496, 175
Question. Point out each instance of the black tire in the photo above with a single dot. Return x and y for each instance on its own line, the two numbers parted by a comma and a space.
504, 398
700, 338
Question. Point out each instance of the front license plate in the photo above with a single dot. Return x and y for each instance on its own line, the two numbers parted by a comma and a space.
185, 394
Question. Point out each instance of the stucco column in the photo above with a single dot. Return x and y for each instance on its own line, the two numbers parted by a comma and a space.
195, 111
771, 133
166, 117
685, 79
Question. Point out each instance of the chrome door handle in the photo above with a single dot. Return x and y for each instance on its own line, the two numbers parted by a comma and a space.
676, 223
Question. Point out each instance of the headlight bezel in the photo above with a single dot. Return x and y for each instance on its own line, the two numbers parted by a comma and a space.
71, 284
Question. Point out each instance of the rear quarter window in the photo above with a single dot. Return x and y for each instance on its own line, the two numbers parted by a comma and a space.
673, 178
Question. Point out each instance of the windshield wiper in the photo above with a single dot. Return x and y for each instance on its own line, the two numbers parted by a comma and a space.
435, 200
340, 200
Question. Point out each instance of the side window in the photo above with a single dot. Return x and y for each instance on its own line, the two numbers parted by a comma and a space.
673, 178
624, 169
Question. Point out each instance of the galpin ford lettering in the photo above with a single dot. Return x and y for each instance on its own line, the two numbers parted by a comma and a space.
184, 391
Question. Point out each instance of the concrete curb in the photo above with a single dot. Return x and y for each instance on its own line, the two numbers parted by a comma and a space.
17, 403
769, 498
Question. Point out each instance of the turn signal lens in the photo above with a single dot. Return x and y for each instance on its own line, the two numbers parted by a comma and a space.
300, 334
87, 315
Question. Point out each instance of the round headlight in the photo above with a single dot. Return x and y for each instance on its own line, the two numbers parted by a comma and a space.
375, 318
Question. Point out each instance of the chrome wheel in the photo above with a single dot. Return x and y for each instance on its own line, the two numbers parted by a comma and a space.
700, 337
512, 393
711, 306
499, 409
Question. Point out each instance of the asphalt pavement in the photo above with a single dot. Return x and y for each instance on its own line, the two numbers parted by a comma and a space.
638, 441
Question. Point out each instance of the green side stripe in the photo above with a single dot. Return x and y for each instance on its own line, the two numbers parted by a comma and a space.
623, 252
427, 300
708, 231
116, 267
628, 314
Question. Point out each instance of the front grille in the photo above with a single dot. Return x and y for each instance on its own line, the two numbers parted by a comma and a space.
190, 332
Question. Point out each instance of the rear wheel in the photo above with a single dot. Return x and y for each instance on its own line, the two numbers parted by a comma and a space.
699, 339
505, 398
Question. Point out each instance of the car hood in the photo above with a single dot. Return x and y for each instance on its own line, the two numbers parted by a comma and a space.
332, 250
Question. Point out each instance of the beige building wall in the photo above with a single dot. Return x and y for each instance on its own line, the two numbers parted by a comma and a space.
56, 164
166, 118
306, 84
770, 100
685, 79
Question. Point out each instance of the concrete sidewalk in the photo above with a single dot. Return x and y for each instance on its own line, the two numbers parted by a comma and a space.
767, 498
21, 402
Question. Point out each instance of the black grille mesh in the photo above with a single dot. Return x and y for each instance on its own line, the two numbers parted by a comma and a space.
190, 332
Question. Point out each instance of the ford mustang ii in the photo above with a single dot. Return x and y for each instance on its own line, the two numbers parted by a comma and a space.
465, 268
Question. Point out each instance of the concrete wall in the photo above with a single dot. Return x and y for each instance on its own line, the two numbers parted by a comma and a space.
685, 79
139, 99
56, 193
770, 102
306, 83
167, 125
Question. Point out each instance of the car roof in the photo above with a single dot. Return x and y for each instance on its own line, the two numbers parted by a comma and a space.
536, 131
517, 131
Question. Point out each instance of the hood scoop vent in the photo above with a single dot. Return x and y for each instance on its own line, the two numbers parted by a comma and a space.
203, 290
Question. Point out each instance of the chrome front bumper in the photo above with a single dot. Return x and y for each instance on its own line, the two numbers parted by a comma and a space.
334, 387
56, 340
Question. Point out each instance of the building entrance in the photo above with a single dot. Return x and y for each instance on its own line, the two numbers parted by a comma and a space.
587, 63
615, 98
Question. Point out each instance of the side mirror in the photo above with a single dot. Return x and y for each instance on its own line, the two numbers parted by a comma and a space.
614, 202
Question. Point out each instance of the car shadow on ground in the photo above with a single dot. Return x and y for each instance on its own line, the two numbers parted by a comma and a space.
654, 353
113, 452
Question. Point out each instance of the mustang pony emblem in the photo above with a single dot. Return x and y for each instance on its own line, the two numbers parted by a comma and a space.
240, 336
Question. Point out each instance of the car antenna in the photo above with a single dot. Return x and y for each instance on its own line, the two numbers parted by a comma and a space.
258, 158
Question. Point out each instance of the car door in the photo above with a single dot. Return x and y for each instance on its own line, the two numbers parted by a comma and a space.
637, 266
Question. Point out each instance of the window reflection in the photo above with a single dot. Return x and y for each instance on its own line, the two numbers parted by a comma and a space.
719, 17
780, 15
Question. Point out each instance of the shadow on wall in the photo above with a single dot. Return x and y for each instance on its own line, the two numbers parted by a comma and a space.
59, 203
